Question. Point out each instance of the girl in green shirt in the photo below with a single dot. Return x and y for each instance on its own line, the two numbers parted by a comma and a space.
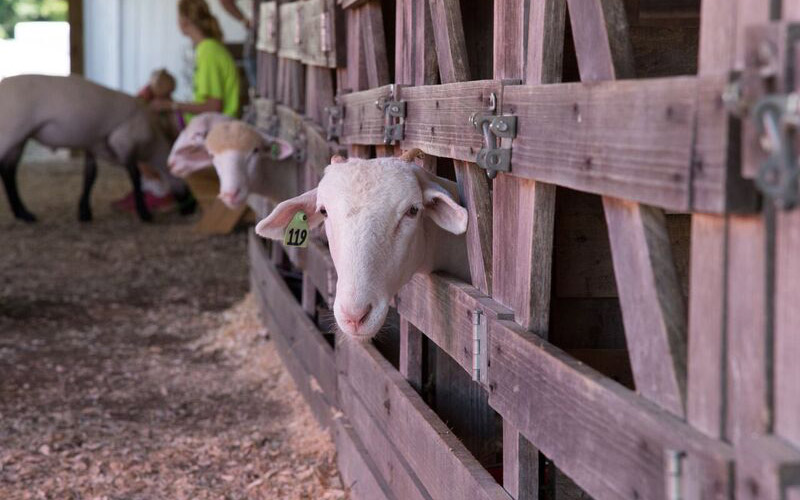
216, 89
216, 78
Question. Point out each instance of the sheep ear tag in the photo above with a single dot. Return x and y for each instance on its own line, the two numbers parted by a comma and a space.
296, 233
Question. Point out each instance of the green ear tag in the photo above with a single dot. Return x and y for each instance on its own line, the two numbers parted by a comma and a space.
296, 233
275, 150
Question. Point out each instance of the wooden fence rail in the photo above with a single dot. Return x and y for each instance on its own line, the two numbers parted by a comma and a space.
659, 363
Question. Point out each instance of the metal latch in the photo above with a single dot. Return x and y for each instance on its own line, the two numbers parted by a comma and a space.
777, 118
493, 157
480, 359
394, 117
335, 122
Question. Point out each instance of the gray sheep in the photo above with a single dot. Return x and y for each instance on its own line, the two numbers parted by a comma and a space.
72, 112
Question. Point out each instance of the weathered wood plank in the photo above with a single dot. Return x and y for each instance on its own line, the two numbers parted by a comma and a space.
451, 46
437, 117
787, 324
705, 400
630, 139
415, 51
374, 44
523, 237
520, 465
611, 442
290, 38
393, 467
603, 54
653, 308
411, 354
319, 93
443, 465
363, 121
299, 332
356, 61
268, 27
442, 307
473, 187
319, 266
359, 471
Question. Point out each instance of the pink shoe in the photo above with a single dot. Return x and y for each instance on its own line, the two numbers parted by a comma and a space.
155, 203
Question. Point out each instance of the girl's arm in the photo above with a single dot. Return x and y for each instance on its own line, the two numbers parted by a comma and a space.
235, 11
209, 105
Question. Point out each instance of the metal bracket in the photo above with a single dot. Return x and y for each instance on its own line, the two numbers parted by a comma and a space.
335, 122
675, 459
480, 359
394, 113
777, 118
492, 157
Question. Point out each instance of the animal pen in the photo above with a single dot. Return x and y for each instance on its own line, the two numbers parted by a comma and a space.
630, 172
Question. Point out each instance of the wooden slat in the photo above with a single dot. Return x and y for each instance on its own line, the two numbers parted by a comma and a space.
291, 43
393, 467
359, 471
437, 117
374, 44
523, 236
443, 465
299, 333
705, 400
442, 307
653, 308
520, 465
319, 93
411, 354
268, 27
473, 187
356, 61
415, 51
363, 122
319, 266
611, 442
630, 140
448, 33
787, 324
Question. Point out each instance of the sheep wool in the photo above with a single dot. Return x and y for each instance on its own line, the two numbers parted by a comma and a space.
234, 135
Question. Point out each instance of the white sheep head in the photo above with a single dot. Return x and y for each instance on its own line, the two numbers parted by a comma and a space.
189, 152
237, 151
382, 217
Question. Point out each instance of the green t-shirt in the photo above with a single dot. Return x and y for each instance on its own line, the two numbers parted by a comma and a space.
216, 76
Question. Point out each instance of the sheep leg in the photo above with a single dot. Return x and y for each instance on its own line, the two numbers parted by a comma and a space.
89, 176
8, 172
138, 196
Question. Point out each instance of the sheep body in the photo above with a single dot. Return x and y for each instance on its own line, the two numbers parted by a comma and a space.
72, 112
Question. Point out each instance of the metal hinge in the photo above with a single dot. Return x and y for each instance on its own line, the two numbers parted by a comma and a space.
493, 156
675, 459
480, 358
777, 118
325, 32
394, 113
335, 122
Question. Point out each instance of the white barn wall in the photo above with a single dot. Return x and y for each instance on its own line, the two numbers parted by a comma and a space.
125, 40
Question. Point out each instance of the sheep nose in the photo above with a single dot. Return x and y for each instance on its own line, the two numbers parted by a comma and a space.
229, 195
356, 316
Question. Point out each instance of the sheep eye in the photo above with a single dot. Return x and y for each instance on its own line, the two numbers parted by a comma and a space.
323, 212
412, 212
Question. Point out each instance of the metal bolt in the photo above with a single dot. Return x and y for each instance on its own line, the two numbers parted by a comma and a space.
501, 125
395, 109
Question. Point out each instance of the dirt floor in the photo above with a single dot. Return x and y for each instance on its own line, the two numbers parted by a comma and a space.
132, 363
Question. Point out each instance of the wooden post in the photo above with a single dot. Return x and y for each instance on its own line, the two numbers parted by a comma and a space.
75, 18
524, 210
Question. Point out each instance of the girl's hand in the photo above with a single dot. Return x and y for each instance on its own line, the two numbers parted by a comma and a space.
159, 105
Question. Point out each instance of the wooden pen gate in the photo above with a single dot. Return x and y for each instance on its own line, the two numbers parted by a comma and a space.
630, 330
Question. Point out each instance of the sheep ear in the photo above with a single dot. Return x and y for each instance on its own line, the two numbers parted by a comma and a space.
285, 150
272, 227
443, 209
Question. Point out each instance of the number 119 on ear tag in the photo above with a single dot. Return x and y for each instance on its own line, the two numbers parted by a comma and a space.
296, 233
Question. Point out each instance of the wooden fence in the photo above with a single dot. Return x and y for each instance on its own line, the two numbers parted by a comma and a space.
630, 330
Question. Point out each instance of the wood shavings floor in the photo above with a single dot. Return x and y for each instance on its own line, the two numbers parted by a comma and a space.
132, 364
